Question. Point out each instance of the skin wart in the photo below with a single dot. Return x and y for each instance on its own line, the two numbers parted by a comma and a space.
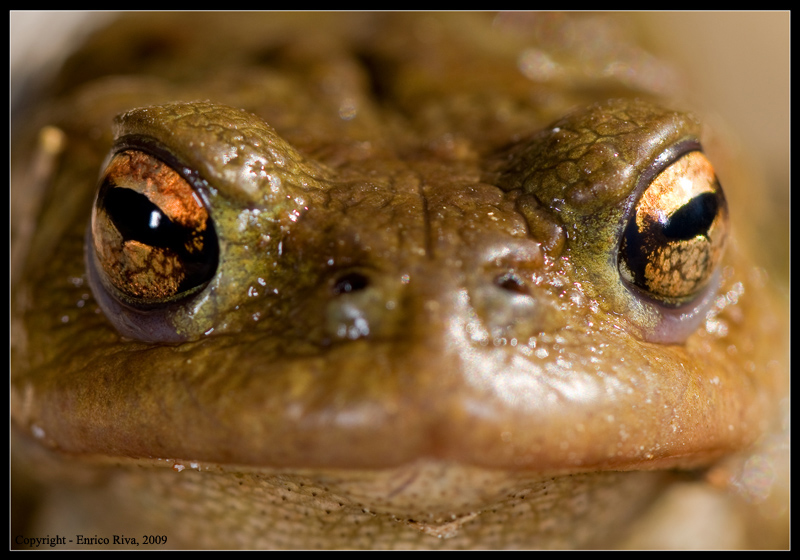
416, 334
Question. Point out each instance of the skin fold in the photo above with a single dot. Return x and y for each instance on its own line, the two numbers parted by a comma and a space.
414, 331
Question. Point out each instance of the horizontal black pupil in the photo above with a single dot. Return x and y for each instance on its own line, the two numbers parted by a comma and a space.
693, 218
138, 219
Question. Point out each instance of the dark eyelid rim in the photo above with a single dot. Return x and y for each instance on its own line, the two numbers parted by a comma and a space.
153, 147
152, 314
664, 160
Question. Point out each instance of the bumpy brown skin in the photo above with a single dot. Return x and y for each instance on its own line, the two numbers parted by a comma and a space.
434, 408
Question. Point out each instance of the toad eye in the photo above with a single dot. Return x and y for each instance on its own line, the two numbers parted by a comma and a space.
676, 234
152, 235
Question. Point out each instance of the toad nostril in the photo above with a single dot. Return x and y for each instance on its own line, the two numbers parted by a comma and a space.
511, 282
350, 282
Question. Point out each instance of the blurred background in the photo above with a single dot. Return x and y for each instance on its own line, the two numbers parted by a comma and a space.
736, 65
737, 73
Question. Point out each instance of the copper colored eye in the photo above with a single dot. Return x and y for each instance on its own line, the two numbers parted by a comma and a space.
676, 235
153, 237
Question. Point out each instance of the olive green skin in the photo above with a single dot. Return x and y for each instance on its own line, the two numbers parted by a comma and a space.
364, 149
